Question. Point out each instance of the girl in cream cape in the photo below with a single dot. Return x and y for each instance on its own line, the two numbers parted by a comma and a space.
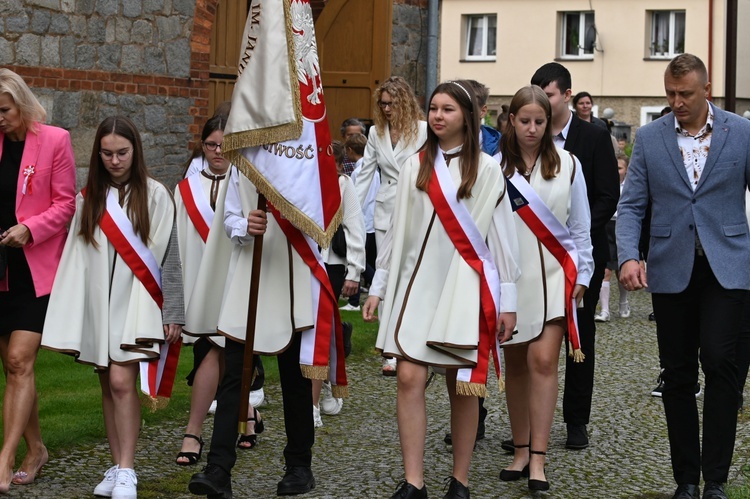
431, 297
99, 311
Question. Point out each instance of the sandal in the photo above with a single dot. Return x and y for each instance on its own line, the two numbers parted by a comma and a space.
252, 439
192, 457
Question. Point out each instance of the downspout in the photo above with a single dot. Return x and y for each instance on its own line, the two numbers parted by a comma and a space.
710, 45
432, 47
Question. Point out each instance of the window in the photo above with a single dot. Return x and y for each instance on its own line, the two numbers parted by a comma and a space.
481, 37
578, 35
650, 113
667, 33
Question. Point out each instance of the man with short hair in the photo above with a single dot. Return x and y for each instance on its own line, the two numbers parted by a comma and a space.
694, 166
592, 145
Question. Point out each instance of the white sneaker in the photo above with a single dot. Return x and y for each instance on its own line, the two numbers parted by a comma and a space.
602, 316
257, 397
212, 407
349, 307
104, 489
625, 310
125, 485
317, 421
329, 405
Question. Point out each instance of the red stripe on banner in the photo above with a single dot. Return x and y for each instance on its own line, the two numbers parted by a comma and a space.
328, 313
131, 257
329, 178
192, 210
468, 253
563, 257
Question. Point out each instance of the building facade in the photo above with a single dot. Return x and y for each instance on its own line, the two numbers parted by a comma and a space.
617, 51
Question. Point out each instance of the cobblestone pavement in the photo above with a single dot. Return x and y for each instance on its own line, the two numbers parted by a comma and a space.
356, 453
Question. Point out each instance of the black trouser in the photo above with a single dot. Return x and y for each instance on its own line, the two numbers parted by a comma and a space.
743, 348
297, 396
700, 323
579, 376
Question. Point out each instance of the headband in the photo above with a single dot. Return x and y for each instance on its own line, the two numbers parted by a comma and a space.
465, 91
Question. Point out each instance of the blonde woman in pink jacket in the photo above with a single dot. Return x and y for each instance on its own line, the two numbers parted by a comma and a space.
37, 194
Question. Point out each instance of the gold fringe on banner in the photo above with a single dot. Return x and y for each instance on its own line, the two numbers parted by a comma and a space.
340, 391
279, 133
153, 404
501, 383
471, 389
314, 372
297, 217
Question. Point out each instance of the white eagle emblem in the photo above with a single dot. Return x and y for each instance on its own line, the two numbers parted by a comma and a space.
305, 49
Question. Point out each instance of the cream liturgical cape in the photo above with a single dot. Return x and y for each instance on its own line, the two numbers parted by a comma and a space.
98, 310
541, 288
432, 295
192, 247
285, 303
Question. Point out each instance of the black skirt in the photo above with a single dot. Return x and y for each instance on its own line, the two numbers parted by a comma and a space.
20, 308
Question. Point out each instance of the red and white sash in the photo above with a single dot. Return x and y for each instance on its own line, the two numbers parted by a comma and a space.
558, 241
157, 375
317, 349
196, 204
471, 245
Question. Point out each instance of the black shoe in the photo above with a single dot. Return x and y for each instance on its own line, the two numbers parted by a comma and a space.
578, 437
347, 328
213, 482
714, 490
507, 475
408, 491
687, 491
507, 446
456, 490
297, 480
656, 392
651, 317
541, 485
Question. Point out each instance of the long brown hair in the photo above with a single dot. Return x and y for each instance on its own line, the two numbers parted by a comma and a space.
99, 182
512, 159
217, 122
406, 110
461, 92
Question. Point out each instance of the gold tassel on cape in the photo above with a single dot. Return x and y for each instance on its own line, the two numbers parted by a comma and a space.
340, 391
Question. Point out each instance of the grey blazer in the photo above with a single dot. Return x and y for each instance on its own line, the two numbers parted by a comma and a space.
716, 209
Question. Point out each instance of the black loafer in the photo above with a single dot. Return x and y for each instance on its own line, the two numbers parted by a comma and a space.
213, 482
714, 490
686, 491
578, 437
297, 480
408, 491
456, 490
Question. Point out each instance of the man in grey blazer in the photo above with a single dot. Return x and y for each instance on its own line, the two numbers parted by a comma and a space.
694, 165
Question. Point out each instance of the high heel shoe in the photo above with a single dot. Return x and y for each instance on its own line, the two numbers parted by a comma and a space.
538, 485
252, 439
507, 475
21, 477
192, 457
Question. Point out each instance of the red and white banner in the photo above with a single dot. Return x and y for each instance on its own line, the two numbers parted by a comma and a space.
197, 205
277, 132
157, 376
471, 245
558, 241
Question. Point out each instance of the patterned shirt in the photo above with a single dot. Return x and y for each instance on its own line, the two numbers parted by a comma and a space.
694, 148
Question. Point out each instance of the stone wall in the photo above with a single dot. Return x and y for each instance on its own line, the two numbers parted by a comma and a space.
89, 59
409, 43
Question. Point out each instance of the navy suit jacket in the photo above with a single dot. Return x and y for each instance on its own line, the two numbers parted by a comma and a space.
715, 210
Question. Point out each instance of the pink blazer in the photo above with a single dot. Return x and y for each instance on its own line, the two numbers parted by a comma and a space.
49, 202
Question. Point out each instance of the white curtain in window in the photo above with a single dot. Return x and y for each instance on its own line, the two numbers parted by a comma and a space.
660, 33
476, 28
679, 32
491, 35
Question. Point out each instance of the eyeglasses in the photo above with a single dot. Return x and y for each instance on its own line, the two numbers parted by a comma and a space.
384, 104
212, 146
121, 155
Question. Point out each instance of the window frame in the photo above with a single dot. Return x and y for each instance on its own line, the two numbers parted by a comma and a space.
671, 52
485, 21
582, 54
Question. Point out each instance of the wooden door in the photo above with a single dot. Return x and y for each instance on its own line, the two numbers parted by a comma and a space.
226, 41
354, 46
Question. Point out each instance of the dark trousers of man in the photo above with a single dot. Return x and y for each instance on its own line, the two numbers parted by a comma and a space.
297, 397
702, 322
579, 376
